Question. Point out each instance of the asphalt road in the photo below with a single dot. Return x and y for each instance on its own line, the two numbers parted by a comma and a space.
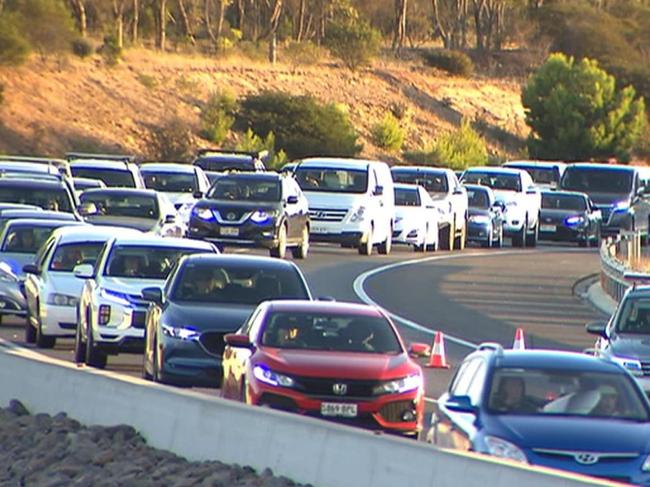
472, 296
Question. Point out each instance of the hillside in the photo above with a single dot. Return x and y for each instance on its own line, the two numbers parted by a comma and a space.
52, 106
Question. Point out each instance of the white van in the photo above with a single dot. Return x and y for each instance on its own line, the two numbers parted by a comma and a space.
351, 202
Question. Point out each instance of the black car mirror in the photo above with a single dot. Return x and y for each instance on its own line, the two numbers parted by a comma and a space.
198, 194
31, 269
238, 340
87, 208
153, 294
170, 219
292, 200
460, 404
379, 190
458, 190
531, 190
597, 328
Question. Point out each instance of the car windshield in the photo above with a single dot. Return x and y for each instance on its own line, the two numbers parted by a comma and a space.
248, 189
540, 175
593, 180
407, 197
170, 182
538, 391
86, 183
634, 316
226, 162
478, 198
556, 201
432, 182
67, 256
334, 180
140, 261
57, 199
110, 177
236, 284
116, 204
497, 181
344, 332
24, 239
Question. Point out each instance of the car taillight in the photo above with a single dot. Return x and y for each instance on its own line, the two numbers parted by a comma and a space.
104, 314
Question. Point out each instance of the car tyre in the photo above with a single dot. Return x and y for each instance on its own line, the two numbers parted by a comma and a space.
498, 243
519, 239
365, 247
386, 246
30, 331
446, 237
94, 357
531, 238
280, 251
44, 341
302, 250
459, 242
79, 346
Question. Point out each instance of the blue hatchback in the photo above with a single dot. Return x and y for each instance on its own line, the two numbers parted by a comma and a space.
557, 409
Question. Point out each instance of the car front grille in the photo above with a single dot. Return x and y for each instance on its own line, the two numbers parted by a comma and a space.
645, 367
213, 342
324, 388
327, 214
138, 319
393, 411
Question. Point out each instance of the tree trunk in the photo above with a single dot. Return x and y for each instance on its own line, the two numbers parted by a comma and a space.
161, 21
274, 19
79, 9
222, 12
401, 7
439, 27
118, 15
301, 20
208, 22
186, 22
136, 21
479, 21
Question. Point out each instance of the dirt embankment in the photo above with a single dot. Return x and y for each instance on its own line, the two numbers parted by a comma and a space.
54, 106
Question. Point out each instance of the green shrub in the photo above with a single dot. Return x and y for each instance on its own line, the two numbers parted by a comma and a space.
251, 142
459, 149
172, 141
14, 48
302, 125
388, 134
218, 116
47, 25
355, 42
302, 53
147, 81
111, 51
454, 62
576, 112
82, 48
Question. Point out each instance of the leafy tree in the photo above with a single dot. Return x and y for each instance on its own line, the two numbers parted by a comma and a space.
354, 41
252, 142
460, 149
302, 125
388, 134
14, 48
218, 116
576, 113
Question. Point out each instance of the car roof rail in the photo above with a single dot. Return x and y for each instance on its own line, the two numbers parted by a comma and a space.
102, 157
263, 154
495, 347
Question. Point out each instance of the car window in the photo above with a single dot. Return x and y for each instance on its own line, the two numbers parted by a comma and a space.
329, 331
52, 198
170, 182
140, 261
432, 182
120, 205
407, 197
462, 381
22, 239
67, 256
44, 253
596, 180
236, 284
335, 180
558, 201
540, 391
478, 198
634, 316
248, 189
496, 181
475, 388
110, 177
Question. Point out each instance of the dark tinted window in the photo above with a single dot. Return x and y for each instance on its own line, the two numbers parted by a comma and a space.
170, 182
110, 177
249, 189
330, 331
552, 201
116, 204
433, 183
634, 316
595, 180
67, 256
26, 239
48, 198
497, 181
226, 163
144, 262
407, 197
236, 284
541, 175
478, 198
332, 179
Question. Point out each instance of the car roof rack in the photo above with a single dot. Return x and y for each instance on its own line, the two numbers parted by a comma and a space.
36, 159
261, 155
495, 347
101, 157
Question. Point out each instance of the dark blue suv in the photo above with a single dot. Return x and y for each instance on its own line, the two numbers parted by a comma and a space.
556, 409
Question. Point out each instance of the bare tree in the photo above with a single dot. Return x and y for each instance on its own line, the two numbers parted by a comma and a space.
79, 9
399, 34
450, 21
135, 21
118, 16
161, 23
187, 27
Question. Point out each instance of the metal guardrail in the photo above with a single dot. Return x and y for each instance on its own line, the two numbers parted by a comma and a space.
618, 257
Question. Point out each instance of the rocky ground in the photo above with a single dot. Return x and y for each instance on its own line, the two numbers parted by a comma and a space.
52, 451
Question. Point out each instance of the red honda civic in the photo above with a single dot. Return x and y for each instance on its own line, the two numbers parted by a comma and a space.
339, 361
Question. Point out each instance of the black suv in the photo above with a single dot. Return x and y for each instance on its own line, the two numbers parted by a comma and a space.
217, 160
265, 210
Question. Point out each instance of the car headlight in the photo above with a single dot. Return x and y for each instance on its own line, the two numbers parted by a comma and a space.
180, 332
621, 206
397, 386
358, 214
203, 213
58, 299
575, 220
8, 277
480, 219
272, 378
646, 464
631, 364
504, 449
261, 216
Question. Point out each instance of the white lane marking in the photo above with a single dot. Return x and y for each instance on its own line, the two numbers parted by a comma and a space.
361, 279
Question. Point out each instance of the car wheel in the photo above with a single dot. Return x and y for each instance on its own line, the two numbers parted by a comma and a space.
459, 242
155, 376
499, 241
595, 241
243, 392
302, 250
365, 247
94, 357
519, 239
30, 331
490, 241
446, 237
44, 341
281, 250
79, 346
531, 238
386, 246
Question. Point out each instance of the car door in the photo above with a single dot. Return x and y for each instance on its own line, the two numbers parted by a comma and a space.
235, 359
34, 283
459, 202
289, 203
301, 207
430, 214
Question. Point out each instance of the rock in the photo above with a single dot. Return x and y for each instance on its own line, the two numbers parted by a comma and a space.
18, 408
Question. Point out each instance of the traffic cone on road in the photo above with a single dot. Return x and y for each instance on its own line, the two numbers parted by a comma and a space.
520, 343
438, 358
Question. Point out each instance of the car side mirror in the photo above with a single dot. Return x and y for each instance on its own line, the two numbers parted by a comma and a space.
325, 298
292, 200
379, 190
84, 271
198, 194
31, 269
460, 404
153, 294
458, 190
417, 349
87, 208
238, 340
531, 190
170, 219
597, 328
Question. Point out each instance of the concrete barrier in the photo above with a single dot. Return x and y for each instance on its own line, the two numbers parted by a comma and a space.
201, 427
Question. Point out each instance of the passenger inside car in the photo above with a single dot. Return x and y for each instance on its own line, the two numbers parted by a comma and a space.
510, 396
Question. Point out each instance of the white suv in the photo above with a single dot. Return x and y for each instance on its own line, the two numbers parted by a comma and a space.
520, 198
51, 290
111, 310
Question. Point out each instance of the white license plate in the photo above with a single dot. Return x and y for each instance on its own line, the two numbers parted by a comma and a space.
547, 228
229, 231
319, 229
338, 409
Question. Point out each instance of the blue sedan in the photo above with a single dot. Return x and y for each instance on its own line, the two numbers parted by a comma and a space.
556, 409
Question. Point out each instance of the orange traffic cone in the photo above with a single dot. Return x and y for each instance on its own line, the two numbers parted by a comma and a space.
438, 359
520, 343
